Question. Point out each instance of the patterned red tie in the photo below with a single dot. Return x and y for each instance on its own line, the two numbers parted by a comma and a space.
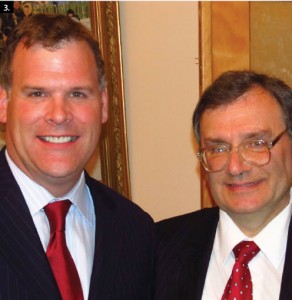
61, 262
239, 285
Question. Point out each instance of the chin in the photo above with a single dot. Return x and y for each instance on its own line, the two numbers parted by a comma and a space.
246, 206
59, 171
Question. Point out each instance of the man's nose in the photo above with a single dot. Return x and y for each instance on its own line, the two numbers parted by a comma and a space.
236, 164
58, 111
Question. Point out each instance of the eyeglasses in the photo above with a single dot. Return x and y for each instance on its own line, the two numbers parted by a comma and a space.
255, 153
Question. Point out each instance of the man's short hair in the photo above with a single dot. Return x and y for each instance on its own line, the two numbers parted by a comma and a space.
52, 32
229, 86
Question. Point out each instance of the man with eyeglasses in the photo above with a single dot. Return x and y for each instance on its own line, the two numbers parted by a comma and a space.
243, 125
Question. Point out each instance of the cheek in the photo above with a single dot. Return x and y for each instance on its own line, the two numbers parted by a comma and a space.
22, 113
213, 181
281, 159
90, 115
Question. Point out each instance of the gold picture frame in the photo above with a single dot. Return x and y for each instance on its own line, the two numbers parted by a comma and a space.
113, 145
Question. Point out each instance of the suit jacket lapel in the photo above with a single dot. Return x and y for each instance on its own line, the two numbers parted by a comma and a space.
20, 244
183, 254
108, 240
196, 254
286, 285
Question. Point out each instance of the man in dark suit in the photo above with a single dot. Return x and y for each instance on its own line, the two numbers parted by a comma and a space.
243, 125
53, 100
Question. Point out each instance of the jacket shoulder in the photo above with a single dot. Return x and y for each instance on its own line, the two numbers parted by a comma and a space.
107, 197
198, 221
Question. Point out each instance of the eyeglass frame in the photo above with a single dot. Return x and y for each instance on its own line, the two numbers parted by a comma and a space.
269, 145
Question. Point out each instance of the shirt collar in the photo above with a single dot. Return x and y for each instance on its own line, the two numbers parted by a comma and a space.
274, 248
37, 196
79, 197
272, 240
228, 235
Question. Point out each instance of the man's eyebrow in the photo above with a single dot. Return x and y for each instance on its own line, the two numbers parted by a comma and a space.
82, 88
215, 141
33, 88
260, 134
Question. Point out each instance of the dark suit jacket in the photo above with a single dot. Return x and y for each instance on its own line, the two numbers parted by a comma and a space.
124, 247
183, 254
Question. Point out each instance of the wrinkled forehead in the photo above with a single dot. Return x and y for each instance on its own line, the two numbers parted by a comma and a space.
254, 100
256, 110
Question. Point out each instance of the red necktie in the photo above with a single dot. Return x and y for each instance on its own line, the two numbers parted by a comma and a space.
61, 262
239, 285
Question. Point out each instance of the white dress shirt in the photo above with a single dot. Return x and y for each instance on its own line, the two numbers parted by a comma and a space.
266, 267
80, 220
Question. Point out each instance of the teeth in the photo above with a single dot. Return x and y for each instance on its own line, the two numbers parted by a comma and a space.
59, 140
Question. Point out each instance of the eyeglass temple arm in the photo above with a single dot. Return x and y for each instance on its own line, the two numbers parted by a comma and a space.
277, 138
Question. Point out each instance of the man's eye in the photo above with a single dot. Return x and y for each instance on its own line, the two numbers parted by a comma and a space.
217, 150
37, 94
77, 94
256, 145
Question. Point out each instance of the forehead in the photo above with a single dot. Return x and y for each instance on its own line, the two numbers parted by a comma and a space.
254, 111
67, 53
71, 64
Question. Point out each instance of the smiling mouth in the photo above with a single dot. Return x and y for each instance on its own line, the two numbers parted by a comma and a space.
58, 139
244, 185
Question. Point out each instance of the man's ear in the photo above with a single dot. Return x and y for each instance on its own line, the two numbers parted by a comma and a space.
3, 104
104, 106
